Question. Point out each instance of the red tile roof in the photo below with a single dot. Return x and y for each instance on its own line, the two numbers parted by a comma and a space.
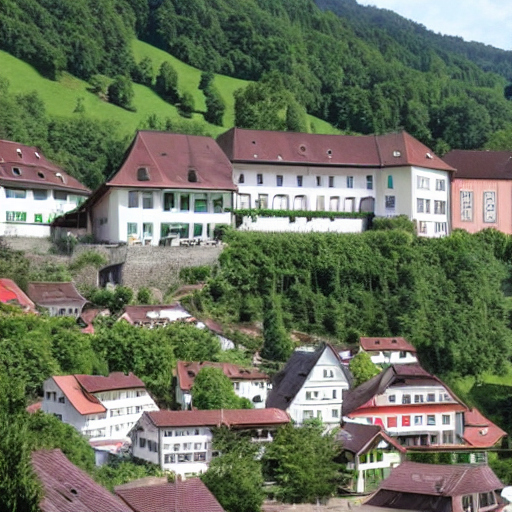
11, 293
187, 372
169, 157
479, 431
115, 380
50, 294
187, 496
67, 488
215, 418
35, 172
390, 150
358, 438
83, 402
484, 165
31, 409
393, 343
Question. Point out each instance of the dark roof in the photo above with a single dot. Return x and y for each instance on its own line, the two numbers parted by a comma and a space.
168, 158
392, 343
215, 418
190, 495
288, 382
11, 293
50, 294
115, 380
68, 489
356, 437
484, 165
441, 479
35, 171
390, 150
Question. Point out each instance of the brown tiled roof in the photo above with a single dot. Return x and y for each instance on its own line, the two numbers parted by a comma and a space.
234, 418
11, 293
115, 380
288, 382
68, 489
190, 495
169, 157
479, 431
82, 401
146, 314
441, 479
390, 150
187, 372
34, 172
49, 294
484, 165
393, 343
356, 437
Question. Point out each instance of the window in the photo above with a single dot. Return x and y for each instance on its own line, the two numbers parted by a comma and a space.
406, 421
184, 202
328, 373
334, 204
420, 205
15, 193
142, 442
418, 420
390, 202
335, 413
40, 195
311, 395
184, 457
200, 203
299, 181
132, 228
280, 202
320, 203
16, 216
440, 185
334, 394
176, 447
369, 182
38, 217
142, 174
62, 400
466, 205
423, 183
331, 181
244, 201
236, 386
486, 499
198, 446
431, 397
319, 181
440, 227
307, 415
241, 178
259, 179
147, 200
403, 354
350, 181
299, 203
490, 207
169, 201
467, 503
390, 181
418, 399
147, 229
431, 419
167, 433
263, 201
200, 457
406, 399
446, 419
218, 203
169, 458
187, 446
60, 195
392, 399
279, 180
392, 421
16, 171
440, 207
192, 176
133, 199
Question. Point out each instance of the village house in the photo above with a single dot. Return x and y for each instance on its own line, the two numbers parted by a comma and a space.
155, 315
171, 188
420, 411
392, 174
248, 383
311, 385
481, 190
393, 350
11, 293
439, 488
59, 299
101, 408
33, 191
181, 441
370, 453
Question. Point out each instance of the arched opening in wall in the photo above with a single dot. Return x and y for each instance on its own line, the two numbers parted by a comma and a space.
300, 203
367, 205
334, 204
280, 202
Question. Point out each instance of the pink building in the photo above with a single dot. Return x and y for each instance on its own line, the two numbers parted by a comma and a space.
481, 190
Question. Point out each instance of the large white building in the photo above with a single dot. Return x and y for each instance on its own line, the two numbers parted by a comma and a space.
101, 408
388, 175
311, 386
33, 191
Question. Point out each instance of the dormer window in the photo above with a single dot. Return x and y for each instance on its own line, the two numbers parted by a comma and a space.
142, 174
16, 171
40, 175
19, 152
394, 341
377, 342
192, 176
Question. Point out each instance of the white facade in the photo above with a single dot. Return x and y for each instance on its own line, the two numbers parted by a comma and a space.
123, 408
321, 394
148, 216
392, 357
28, 212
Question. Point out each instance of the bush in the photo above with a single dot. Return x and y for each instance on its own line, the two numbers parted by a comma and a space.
92, 258
193, 275
120, 92
399, 222
187, 105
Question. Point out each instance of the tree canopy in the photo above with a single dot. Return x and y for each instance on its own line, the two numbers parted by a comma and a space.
362, 368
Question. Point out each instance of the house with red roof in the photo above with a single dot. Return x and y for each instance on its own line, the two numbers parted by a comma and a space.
59, 299
181, 441
170, 187
33, 191
11, 293
101, 408
391, 174
393, 350
420, 412
481, 189
248, 383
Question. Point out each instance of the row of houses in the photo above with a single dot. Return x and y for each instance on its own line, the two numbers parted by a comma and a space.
173, 187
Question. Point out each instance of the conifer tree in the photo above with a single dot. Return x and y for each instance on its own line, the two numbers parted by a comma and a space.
277, 344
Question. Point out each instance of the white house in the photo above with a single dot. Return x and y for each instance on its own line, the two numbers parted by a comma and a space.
101, 408
181, 441
389, 175
33, 191
248, 383
394, 350
311, 385
170, 187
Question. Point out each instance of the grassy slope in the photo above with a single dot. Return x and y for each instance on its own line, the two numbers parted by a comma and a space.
60, 97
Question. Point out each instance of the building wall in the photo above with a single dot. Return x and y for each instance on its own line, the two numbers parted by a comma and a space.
393, 357
52, 404
493, 214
